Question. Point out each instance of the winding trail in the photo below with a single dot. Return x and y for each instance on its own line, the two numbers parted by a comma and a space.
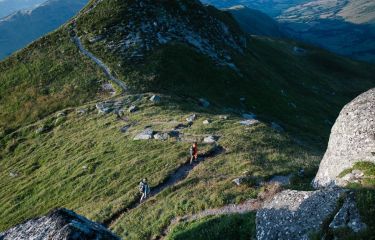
98, 62
248, 206
180, 174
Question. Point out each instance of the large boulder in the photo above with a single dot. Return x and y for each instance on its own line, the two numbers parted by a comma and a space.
352, 140
60, 224
294, 215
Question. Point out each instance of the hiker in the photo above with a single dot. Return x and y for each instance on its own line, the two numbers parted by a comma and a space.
193, 152
144, 189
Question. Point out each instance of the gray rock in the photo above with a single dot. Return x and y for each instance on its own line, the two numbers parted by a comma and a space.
352, 140
207, 121
61, 114
81, 111
191, 118
60, 224
293, 215
238, 181
249, 115
146, 134
282, 180
161, 136
41, 129
13, 174
125, 128
155, 99
104, 107
249, 122
348, 216
204, 103
223, 117
210, 139
133, 109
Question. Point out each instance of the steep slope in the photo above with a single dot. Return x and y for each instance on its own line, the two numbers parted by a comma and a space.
22, 27
255, 22
9, 6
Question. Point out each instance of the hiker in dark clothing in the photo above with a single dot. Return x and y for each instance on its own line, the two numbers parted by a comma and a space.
193, 152
144, 189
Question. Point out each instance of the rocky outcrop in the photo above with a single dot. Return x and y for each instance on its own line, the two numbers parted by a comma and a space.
296, 214
60, 224
352, 140
149, 24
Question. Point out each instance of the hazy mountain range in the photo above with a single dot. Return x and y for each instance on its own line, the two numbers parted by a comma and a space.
345, 27
22, 27
9, 6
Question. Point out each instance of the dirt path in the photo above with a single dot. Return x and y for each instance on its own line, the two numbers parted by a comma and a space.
99, 62
180, 174
248, 206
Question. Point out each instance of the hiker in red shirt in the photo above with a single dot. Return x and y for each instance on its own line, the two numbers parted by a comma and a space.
193, 152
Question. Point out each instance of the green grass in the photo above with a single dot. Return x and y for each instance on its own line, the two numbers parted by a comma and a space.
51, 174
47, 76
368, 168
237, 226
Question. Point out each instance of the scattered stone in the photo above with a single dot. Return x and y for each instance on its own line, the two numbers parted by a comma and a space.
125, 128
223, 117
161, 136
210, 139
191, 118
81, 111
352, 140
84, 167
249, 115
155, 99
146, 134
348, 216
281, 180
293, 215
41, 129
238, 181
133, 109
180, 126
204, 103
207, 121
60, 224
104, 107
249, 122
13, 174
61, 114
277, 127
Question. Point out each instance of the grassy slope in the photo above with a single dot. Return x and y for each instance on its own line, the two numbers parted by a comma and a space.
48, 75
51, 174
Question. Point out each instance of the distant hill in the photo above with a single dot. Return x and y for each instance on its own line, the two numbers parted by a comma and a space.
21, 28
255, 22
9, 6
344, 27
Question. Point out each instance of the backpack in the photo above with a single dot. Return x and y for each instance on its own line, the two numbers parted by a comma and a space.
142, 187
191, 150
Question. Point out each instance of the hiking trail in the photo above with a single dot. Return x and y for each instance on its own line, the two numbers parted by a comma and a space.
177, 176
100, 63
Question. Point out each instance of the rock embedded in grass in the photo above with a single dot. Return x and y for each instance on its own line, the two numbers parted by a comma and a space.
249, 122
155, 99
60, 224
146, 134
191, 118
210, 139
133, 109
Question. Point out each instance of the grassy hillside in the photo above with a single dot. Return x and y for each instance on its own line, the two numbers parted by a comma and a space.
85, 163
57, 151
48, 75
